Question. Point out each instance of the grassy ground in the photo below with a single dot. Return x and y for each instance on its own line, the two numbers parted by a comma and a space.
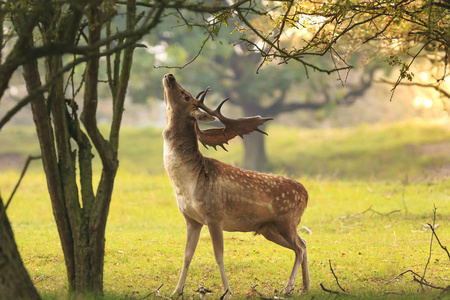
382, 151
145, 232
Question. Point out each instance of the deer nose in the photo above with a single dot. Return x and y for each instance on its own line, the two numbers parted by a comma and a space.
170, 77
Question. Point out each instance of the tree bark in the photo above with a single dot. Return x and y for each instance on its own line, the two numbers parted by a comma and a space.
15, 283
81, 222
41, 117
255, 157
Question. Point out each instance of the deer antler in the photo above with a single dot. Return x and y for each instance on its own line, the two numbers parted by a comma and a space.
233, 127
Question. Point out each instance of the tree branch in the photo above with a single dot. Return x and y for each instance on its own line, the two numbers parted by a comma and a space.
24, 170
335, 277
194, 7
435, 86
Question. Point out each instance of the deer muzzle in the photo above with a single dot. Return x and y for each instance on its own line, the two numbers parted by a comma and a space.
168, 80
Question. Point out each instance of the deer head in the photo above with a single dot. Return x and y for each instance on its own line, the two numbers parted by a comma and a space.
181, 101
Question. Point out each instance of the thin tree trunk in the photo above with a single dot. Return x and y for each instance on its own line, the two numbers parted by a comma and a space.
81, 222
15, 283
41, 117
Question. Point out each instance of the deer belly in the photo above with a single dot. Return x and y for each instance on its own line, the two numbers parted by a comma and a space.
245, 218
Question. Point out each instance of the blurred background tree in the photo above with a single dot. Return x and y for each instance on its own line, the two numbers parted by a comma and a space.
324, 37
232, 72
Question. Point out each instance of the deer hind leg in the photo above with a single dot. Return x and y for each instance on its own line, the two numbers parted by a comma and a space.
288, 238
193, 230
216, 232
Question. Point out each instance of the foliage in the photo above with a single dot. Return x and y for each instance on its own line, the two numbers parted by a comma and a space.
334, 30
231, 73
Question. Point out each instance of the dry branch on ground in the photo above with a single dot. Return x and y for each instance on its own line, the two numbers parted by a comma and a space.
373, 213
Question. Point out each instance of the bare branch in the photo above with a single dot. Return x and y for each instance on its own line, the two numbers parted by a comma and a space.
373, 211
281, 52
262, 297
194, 7
329, 291
156, 293
403, 273
24, 170
335, 277
437, 238
422, 282
422, 278
434, 232
403, 72
202, 291
435, 86
134, 36
193, 59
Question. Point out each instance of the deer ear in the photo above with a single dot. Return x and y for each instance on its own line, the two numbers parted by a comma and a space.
202, 116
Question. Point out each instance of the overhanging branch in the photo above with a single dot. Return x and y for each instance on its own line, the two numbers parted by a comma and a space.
435, 86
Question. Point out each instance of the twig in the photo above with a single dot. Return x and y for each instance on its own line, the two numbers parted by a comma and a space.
202, 291
262, 297
435, 86
41, 279
431, 248
421, 281
157, 293
329, 291
439, 242
337, 281
335, 277
403, 273
372, 210
307, 229
25, 167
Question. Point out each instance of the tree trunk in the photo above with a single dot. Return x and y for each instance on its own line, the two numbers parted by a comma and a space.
41, 117
15, 283
81, 229
255, 157
81, 221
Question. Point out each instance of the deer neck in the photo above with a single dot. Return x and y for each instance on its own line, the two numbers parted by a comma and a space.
182, 158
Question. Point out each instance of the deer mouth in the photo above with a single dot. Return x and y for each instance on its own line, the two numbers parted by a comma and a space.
168, 80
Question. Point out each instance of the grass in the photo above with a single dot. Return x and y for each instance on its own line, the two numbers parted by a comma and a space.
380, 151
145, 232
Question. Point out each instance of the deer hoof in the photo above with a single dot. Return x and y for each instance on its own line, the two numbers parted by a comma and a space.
176, 294
288, 290
305, 290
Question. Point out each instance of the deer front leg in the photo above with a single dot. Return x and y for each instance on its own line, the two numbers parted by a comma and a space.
193, 230
216, 232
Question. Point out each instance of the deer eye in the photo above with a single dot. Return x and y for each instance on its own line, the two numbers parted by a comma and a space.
186, 97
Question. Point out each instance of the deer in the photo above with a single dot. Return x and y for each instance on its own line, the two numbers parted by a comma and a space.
223, 197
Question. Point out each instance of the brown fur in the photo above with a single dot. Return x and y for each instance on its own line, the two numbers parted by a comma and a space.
224, 197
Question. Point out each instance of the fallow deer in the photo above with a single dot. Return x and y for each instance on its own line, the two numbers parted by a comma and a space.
222, 197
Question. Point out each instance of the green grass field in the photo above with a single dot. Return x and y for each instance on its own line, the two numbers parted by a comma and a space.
397, 170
